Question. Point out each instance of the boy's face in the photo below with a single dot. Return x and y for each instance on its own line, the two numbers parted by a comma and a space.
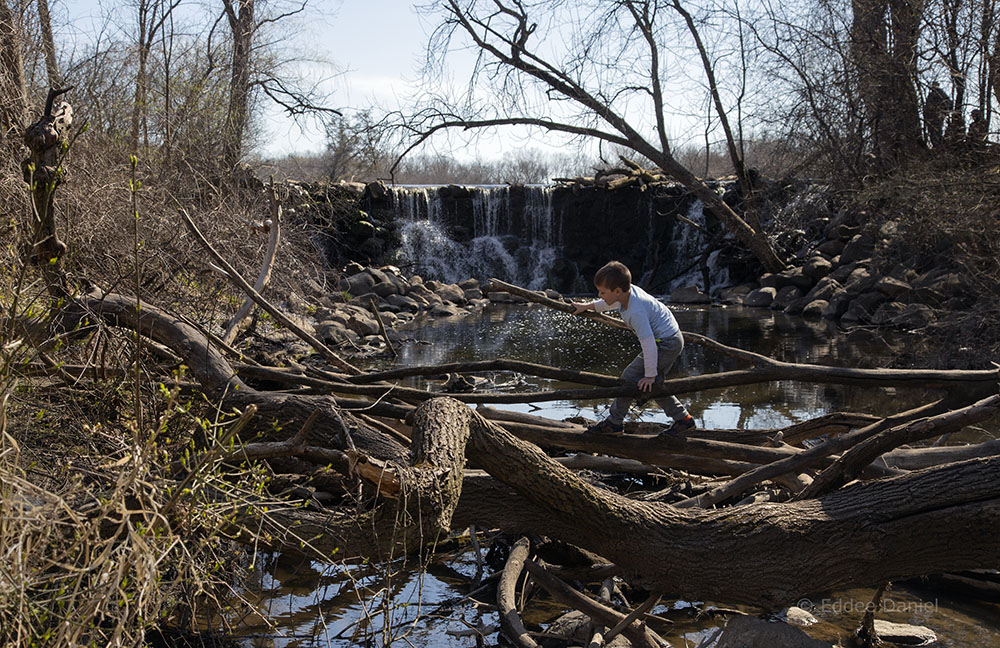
610, 295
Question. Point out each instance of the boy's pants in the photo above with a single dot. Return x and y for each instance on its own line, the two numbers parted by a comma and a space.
667, 352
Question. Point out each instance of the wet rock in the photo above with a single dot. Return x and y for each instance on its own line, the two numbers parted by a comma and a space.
472, 294
445, 310
785, 297
451, 293
689, 295
574, 627
815, 308
362, 229
761, 298
903, 634
751, 632
734, 294
468, 284
552, 294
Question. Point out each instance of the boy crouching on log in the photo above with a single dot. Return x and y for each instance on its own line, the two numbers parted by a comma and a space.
659, 336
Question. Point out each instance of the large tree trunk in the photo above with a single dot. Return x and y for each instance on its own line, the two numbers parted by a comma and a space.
242, 26
884, 37
12, 92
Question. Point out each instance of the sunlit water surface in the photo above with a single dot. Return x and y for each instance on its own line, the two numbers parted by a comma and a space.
306, 604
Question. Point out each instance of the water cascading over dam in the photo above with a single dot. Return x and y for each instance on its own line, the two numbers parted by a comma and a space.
542, 236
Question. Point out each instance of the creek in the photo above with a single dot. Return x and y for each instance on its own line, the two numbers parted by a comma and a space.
308, 604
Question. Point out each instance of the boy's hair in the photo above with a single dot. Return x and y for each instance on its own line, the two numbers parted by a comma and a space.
614, 276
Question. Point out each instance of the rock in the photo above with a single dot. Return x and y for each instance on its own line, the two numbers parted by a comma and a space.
914, 316
506, 298
380, 276
906, 316
384, 289
785, 297
903, 634
419, 290
334, 332
796, 277
824, 289
891, 287
364, 299
862, 246
445, 310
689, 295
751, 632
887, 312
795, 307
572, 627
837, 305
362, 229
358, 283
771, 280
859, 281
831, 248
799, 617
468, 284
451, 293
552, 294
815, 308
734, 294
842, 272
863, 307
817, 267
760, 298
473, 294
362, 325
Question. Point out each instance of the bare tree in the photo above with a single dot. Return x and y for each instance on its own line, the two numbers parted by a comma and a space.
151, 15
617, 62
12, 92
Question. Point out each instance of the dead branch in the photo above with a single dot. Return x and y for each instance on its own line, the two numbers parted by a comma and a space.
274, 234
235, 277
510, 621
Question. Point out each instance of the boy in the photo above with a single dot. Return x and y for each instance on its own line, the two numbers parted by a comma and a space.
660, 339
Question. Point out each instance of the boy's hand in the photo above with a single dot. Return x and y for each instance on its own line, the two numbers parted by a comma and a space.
579, 308
646, 384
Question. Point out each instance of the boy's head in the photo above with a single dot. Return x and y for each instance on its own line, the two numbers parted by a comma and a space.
613, 275
613, 281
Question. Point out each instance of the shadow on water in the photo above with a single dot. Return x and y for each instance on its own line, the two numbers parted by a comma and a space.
304, 604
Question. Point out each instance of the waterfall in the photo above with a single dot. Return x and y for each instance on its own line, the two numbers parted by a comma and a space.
687, 248
511, 242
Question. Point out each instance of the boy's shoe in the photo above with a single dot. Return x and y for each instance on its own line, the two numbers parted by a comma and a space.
679, 427
606, 428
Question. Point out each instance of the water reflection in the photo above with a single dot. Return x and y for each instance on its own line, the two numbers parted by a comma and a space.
553, 338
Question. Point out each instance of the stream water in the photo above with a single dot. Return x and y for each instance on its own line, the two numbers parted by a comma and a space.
308, 605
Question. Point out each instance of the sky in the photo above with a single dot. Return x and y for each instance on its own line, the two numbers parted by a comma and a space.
368, 51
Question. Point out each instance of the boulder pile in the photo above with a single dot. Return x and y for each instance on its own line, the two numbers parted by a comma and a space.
842, 277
